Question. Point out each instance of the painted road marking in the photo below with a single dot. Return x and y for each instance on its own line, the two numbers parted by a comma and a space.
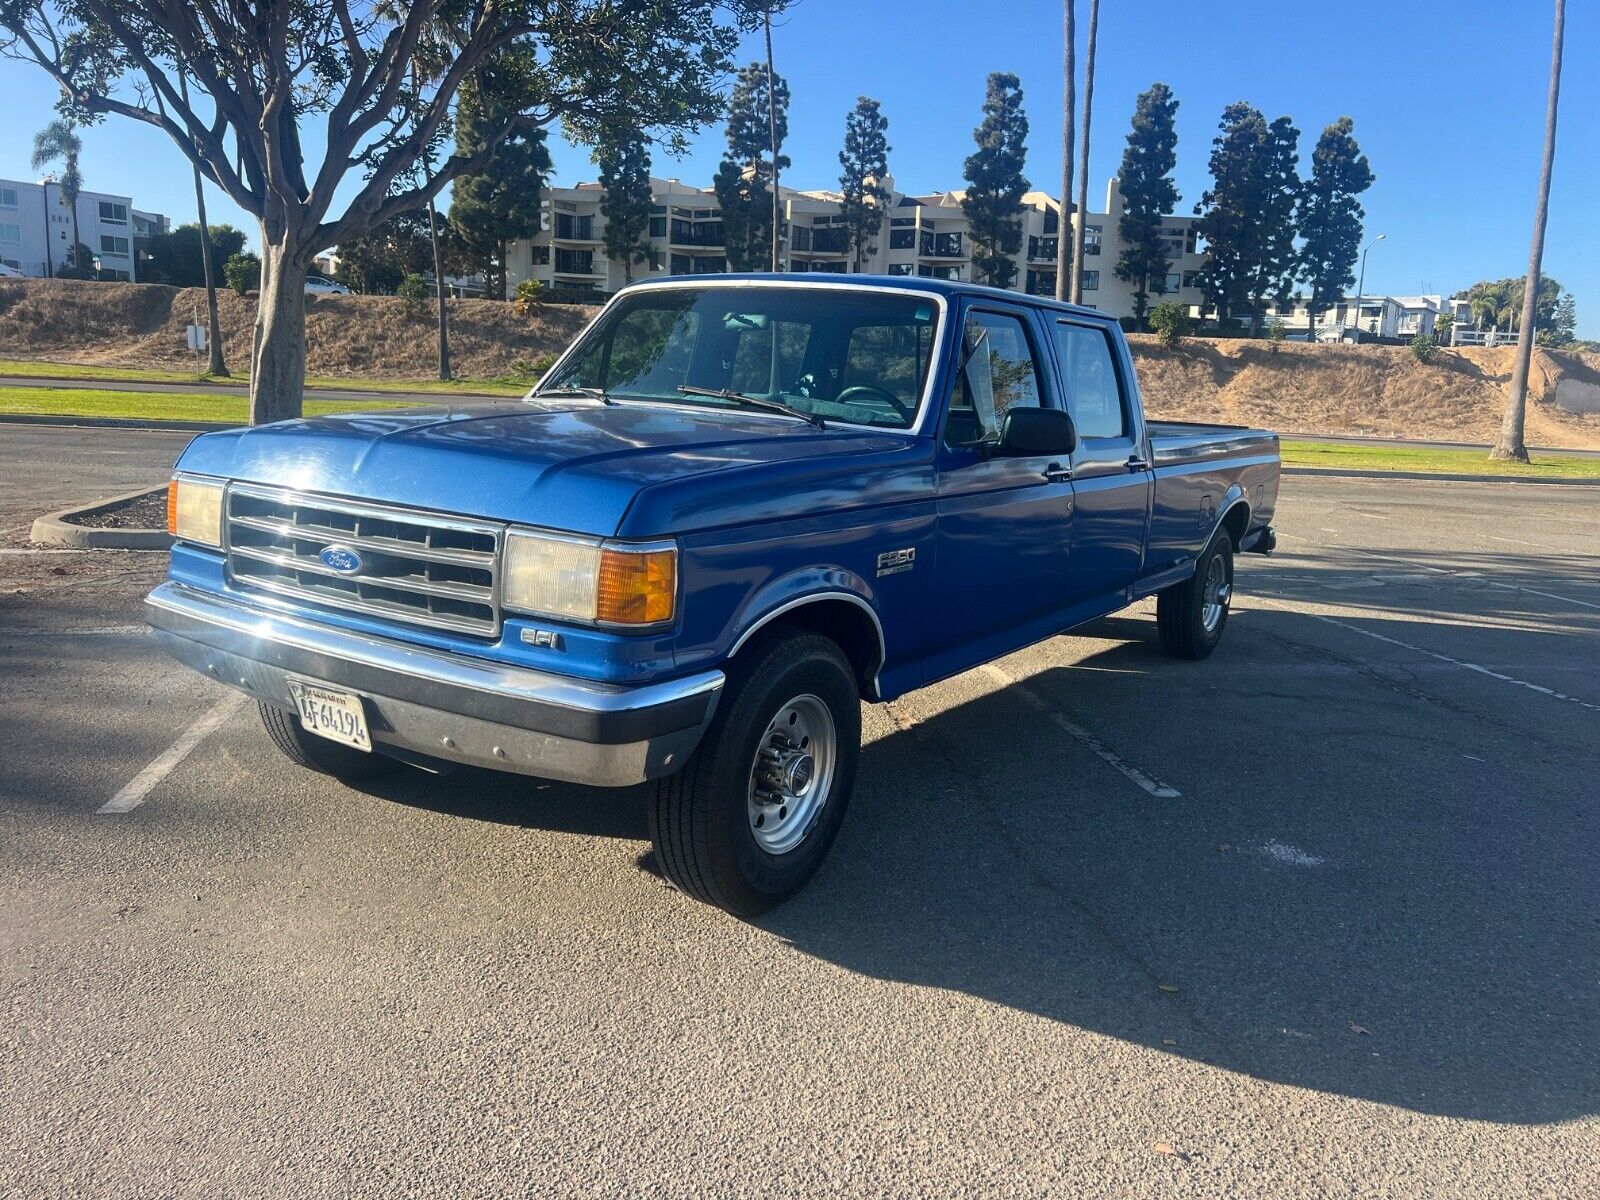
1445, 658
1155, 787
140, 786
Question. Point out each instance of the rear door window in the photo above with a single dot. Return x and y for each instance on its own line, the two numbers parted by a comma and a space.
1089, 374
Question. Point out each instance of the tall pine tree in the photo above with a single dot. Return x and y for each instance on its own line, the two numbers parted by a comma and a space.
1232, 210
623, 155
865, 163
501, 203
1330, 217
744, 179
1148, 194
995, 183
1276, 262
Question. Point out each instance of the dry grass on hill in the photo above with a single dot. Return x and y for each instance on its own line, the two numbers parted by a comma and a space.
142, 325
1379, 390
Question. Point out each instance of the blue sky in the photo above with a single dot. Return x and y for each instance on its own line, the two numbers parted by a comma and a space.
1448, 102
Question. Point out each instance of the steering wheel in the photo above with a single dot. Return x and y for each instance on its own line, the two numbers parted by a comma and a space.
883, 393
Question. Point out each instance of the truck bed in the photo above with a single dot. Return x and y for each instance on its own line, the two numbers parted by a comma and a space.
1175, 443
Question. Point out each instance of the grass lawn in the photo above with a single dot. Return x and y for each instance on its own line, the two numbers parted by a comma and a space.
229, 407
506, 385
1354, 456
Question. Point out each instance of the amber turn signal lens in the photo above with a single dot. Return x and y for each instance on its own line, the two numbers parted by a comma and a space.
172, 507
637, 587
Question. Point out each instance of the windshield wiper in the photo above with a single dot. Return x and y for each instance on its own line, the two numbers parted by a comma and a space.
591, 392
761, 402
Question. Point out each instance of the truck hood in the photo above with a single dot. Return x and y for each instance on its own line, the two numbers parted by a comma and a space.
565, 465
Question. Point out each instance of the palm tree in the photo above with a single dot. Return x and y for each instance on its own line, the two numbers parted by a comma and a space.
1511, 445
1069, 91
1079, 227
58, 141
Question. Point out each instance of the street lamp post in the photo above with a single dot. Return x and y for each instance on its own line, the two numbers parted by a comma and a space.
1361, 286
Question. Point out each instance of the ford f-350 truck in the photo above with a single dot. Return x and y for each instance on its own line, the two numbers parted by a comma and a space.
733, 509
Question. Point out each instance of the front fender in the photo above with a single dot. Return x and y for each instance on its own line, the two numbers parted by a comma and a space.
788, 592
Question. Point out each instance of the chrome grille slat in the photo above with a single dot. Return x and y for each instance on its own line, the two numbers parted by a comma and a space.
424, 568
460, 558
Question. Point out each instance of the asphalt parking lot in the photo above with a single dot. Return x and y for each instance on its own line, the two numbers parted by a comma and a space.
1357, 953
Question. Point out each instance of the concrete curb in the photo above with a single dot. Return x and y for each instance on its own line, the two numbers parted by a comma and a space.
56, 530
1438, 477
114, 422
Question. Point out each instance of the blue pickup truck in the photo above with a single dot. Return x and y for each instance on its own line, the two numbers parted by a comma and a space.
736, 507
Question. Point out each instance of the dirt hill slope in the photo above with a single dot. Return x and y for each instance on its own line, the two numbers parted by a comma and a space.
142, 325
1378, 390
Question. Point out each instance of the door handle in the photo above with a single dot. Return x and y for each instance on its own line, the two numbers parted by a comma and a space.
1135, 463
1056, 473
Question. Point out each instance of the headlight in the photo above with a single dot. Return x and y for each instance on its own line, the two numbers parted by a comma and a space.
578, 579
194, 509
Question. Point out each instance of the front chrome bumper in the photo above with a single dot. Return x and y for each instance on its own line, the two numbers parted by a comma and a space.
441, 706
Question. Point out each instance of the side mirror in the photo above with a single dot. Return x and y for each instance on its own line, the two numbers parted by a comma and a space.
1028, 431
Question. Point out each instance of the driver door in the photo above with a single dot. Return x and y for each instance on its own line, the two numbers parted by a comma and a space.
1004, 523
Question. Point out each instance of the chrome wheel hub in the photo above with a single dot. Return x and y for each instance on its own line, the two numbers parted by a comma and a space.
791, 774
1218, 591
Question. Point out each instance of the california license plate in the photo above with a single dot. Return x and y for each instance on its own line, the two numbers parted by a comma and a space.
330, 713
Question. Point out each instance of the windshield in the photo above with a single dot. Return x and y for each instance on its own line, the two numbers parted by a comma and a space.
842, 355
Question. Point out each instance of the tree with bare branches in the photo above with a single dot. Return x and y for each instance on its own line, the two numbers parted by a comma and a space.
259, 75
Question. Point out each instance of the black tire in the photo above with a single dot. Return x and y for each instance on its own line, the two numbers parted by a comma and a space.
700, 819
306, 749
1181, 608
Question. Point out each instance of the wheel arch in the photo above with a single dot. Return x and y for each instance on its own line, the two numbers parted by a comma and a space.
843, 616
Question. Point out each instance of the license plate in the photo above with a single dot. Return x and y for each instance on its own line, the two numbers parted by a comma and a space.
330, 713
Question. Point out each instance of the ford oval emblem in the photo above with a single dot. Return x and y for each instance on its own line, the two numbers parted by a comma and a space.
341, 559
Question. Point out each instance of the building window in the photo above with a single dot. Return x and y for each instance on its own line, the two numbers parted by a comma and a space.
8, 197
710, 266
574, 262
541, 256
1041, 283
834, 268
574, 228
941, 245
658, 227
117, 214
681, 264
1052, 221
10, 233
1191, 279
828, 241
1042, 248
898, 222
800, 237
1192, 240
900, 268
117, 246
902, 239
1091, 281
1091, 240
1171, 282
14, 263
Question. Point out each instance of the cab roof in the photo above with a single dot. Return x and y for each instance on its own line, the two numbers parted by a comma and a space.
903, 283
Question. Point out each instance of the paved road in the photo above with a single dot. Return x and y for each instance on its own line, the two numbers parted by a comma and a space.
230, 389
1358, 954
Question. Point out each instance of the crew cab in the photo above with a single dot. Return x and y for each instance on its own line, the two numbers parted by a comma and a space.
732, 510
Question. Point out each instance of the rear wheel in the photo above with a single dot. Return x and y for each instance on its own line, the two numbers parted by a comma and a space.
753, 813
306, 749
1192, 615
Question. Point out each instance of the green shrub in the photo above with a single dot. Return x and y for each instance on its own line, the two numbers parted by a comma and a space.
243, 272
1169, 321
413, 293
530, 294
1422, 348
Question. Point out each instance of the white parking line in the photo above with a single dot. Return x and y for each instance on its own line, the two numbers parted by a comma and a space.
1455, 662
130, 797
1155, 787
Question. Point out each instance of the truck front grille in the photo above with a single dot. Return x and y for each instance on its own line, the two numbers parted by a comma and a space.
418, 567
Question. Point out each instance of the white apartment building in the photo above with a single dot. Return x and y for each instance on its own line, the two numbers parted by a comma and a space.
925, 236
36, 229
1395, 317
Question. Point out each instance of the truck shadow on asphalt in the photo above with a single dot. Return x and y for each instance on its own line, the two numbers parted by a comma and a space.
1341, 900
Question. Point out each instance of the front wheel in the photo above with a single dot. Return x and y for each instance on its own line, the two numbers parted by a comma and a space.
753, 813
1192, 615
